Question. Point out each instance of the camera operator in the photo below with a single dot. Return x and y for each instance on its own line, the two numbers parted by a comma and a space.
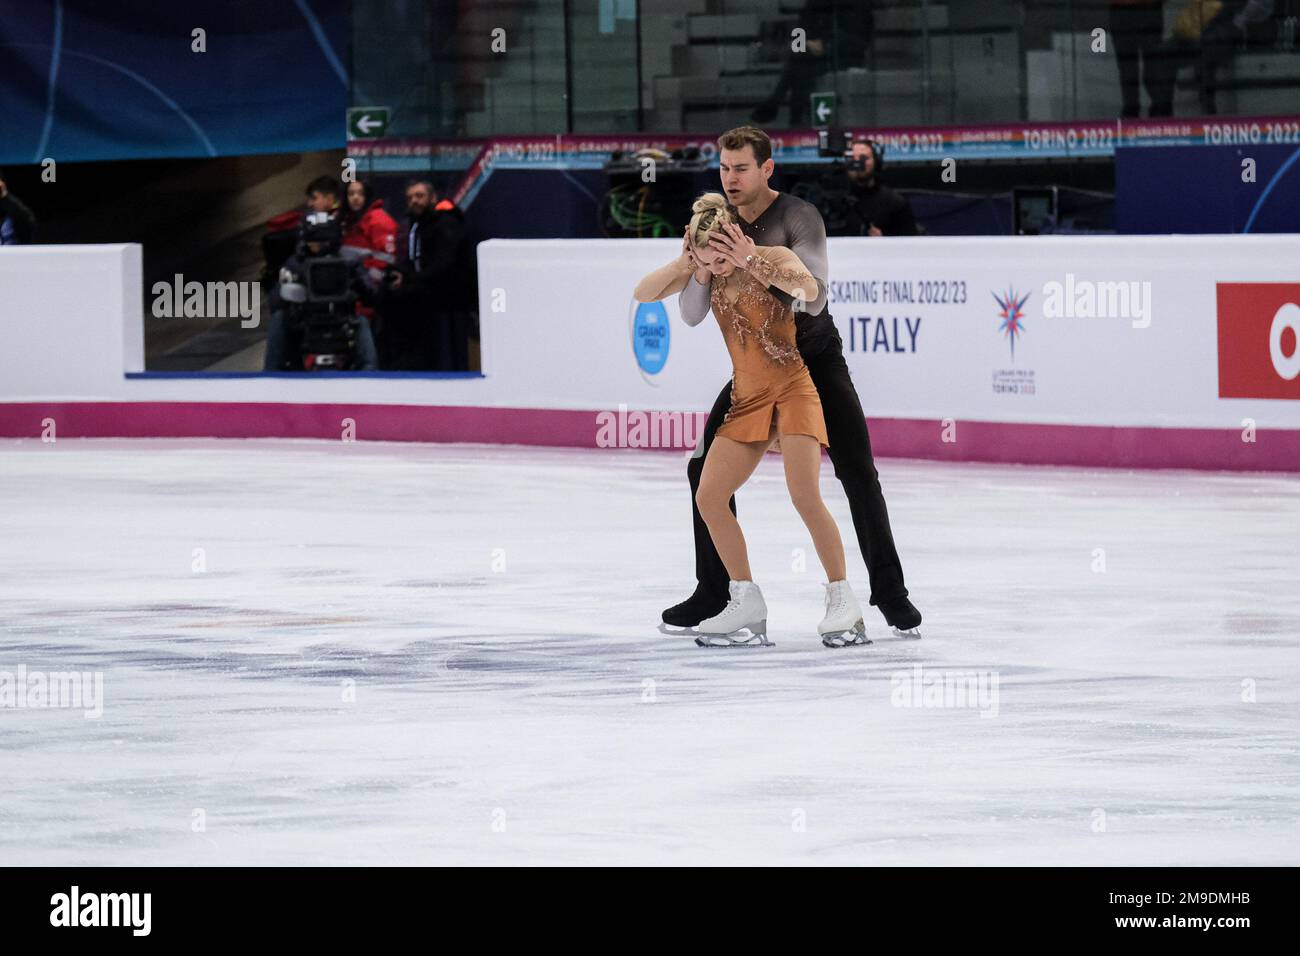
324, 194
316, 296
865, 206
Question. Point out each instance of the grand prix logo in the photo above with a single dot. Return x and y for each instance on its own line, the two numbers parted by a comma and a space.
1012, 314
651, 335
1259, 339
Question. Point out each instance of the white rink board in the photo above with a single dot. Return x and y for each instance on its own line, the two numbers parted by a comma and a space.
565, 337
572, 346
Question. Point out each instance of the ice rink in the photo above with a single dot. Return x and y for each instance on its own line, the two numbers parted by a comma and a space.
373, 653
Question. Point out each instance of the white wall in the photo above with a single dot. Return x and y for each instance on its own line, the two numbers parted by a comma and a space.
65, 319
568, 344
69, 319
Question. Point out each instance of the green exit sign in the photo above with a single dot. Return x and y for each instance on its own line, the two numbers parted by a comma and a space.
823, 108
367, 122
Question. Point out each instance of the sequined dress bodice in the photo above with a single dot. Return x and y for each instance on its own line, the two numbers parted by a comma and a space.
758, 328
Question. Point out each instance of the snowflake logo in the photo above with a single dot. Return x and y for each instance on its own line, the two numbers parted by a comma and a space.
1013, 315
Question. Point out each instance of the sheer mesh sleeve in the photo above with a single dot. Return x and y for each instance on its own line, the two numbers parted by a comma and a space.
693, 302
807, 240
664, 281
779, 267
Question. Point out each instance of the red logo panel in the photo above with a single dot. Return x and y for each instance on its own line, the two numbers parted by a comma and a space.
1259, 339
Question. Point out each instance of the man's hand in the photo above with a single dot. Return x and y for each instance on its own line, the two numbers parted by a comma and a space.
874, 230
733, 245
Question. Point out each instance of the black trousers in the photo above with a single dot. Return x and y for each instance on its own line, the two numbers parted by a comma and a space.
1135, 31
1212, 52
850, 454
419, 335
798, 78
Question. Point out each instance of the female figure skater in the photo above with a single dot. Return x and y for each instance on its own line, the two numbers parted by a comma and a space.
772, 399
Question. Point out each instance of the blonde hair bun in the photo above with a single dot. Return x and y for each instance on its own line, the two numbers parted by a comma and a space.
711, 213
708, 201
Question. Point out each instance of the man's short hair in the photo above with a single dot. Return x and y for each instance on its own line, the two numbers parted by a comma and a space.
877, 151
326, 185
427, 184
743, 136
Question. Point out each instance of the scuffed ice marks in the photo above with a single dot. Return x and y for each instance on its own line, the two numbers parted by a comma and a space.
430, 654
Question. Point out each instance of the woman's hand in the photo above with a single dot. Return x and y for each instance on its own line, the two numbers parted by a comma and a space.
733, 245
700, 273
687, 250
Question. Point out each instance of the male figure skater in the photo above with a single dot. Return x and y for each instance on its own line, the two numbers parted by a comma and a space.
774, 218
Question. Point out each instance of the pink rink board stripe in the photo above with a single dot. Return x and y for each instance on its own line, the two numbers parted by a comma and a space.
1085, 445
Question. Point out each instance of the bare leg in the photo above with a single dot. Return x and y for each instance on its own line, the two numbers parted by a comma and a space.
728, 466
802, 455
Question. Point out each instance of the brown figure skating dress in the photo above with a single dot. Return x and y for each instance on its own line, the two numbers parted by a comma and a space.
771, 390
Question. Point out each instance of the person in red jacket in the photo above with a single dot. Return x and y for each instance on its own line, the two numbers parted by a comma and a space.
370, 233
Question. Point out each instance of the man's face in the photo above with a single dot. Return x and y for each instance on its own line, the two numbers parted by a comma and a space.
743, 179
861, 151
316, 248
356, 196
322, 202
417, 200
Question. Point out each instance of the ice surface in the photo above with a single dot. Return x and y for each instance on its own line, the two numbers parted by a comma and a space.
496, 609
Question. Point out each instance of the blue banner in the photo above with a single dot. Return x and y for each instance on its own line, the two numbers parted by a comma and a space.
132, 79
1208, 189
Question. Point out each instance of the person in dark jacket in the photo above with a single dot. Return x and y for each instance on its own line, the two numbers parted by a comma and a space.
16, 221
836, 36
1206, 34
1136, 28
874, 208
423, 304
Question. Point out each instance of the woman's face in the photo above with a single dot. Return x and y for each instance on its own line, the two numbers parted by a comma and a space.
356, 196
713, 260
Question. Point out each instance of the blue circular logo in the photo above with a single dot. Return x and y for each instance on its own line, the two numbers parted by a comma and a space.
650, 336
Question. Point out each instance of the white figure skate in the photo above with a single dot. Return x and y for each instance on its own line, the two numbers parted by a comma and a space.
746, 611
842, 626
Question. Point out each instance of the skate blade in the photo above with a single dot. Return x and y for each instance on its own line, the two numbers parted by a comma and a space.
851, 638
730, 640
911, 634
673, 630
